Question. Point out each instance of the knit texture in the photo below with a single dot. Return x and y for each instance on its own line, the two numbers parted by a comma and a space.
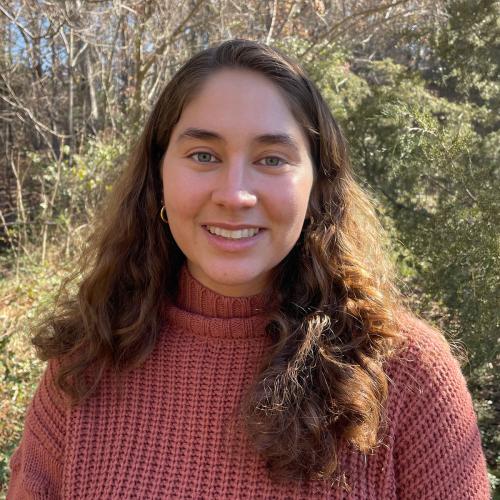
171, 432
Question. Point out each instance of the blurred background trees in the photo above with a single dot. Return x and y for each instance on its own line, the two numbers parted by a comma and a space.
414, 84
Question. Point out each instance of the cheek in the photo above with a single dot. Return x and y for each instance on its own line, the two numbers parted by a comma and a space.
179, 192
289, 205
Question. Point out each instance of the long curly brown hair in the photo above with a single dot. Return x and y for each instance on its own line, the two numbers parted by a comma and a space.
334, 320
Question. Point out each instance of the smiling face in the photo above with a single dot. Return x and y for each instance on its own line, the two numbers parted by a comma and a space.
236, 159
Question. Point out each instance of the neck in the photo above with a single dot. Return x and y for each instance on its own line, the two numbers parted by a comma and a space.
205, 312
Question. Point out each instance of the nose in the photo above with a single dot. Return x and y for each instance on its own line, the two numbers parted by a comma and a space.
233, 189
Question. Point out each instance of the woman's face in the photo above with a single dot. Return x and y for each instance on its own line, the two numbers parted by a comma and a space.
237, 159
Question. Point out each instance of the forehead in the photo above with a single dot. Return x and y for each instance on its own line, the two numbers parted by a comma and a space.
238, 104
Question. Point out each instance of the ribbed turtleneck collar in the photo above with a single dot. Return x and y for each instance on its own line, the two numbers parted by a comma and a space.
205, 312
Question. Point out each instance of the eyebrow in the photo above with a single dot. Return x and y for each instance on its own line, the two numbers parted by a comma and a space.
264, 139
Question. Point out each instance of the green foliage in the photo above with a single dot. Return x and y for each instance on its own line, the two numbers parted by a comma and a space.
467, 52
429, 149
95, 171
422, 156
72, 190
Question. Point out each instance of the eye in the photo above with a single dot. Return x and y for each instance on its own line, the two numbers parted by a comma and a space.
273, 161
203, 157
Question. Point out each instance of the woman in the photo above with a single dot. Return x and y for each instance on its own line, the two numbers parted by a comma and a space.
237, 332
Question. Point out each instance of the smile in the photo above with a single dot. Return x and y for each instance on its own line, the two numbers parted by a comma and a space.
235, 235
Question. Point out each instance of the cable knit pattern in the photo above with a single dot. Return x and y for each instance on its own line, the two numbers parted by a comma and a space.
168, 429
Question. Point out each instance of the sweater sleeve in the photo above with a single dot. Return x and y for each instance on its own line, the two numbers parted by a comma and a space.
438, 452
36, 464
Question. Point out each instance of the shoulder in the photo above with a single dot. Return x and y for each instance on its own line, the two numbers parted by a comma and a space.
47, 390
36, 464
436, 441
429, 400
45, 417
424, 358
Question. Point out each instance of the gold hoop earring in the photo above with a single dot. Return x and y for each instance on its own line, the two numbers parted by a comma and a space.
163, 214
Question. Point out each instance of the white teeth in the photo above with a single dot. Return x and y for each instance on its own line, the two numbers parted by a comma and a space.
241, 233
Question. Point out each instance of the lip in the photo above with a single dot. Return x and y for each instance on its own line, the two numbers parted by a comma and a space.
230, 245
231, 227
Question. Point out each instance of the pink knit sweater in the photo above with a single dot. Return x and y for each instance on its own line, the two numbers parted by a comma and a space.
166, 436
